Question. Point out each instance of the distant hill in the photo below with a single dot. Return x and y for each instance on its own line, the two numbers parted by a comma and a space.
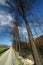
4, 46
39, 44
39, 40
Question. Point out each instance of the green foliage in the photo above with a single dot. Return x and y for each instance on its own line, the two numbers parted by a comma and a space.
19, 62
3, 50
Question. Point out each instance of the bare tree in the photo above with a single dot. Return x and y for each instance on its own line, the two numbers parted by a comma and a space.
17, 24
13, 32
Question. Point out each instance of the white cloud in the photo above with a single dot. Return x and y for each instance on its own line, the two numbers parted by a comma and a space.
23, 32
2, 1
5, 19
1, 16
22, 29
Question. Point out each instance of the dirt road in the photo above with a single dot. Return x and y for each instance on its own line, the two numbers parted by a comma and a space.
7, 58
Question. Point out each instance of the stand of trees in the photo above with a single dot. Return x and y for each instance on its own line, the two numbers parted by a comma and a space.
22, 8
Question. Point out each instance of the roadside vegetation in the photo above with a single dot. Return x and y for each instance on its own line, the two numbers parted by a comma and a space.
17, 59
21, 61
3, 50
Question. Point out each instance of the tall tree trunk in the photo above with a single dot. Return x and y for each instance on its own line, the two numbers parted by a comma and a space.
34, 49
16, 44
13, 45
18, 40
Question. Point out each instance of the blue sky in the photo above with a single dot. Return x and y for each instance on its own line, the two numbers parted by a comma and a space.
6, 18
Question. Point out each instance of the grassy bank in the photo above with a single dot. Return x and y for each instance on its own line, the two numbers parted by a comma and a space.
17, 59
3, 50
